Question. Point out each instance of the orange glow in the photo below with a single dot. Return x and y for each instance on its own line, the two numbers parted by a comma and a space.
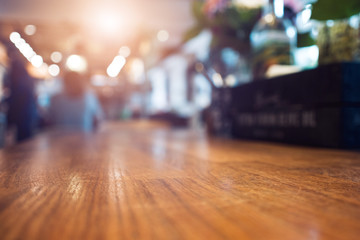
98, 30
38, 72
108, 22
145, 47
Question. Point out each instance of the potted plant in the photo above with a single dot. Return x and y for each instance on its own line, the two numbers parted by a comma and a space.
338, 27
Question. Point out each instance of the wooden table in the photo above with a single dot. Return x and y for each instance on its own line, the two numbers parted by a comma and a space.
140, 180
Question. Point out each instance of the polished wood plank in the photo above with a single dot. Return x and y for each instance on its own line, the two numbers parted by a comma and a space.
142, 180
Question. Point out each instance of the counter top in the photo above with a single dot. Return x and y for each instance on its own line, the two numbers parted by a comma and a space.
143, 180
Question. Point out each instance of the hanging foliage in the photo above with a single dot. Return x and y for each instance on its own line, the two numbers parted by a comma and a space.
230, 23
335, 9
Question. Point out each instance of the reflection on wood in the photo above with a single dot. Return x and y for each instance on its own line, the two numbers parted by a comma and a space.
145, 181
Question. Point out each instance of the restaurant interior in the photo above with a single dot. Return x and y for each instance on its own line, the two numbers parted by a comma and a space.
179, 119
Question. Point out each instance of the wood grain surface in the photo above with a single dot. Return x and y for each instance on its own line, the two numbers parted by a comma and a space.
139, 180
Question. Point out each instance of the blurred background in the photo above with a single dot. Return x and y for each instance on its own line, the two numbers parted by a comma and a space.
159, 59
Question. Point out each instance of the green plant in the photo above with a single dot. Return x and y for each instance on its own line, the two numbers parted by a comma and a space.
231, 26
335, 9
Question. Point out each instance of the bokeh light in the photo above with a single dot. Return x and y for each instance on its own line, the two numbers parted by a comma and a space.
54, 70
125, 51
199, 67
37, 61
38, 72
15, 37
218, 81
163, 35
137, 70
230, 80
76, 63
30, 30
27, 51
19, 43
56, 57
115, 66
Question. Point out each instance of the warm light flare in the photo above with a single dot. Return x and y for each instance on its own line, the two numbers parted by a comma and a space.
108, 21
40, 72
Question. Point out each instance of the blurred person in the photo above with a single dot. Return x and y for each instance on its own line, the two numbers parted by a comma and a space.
3, 70
22, 105
76, 107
